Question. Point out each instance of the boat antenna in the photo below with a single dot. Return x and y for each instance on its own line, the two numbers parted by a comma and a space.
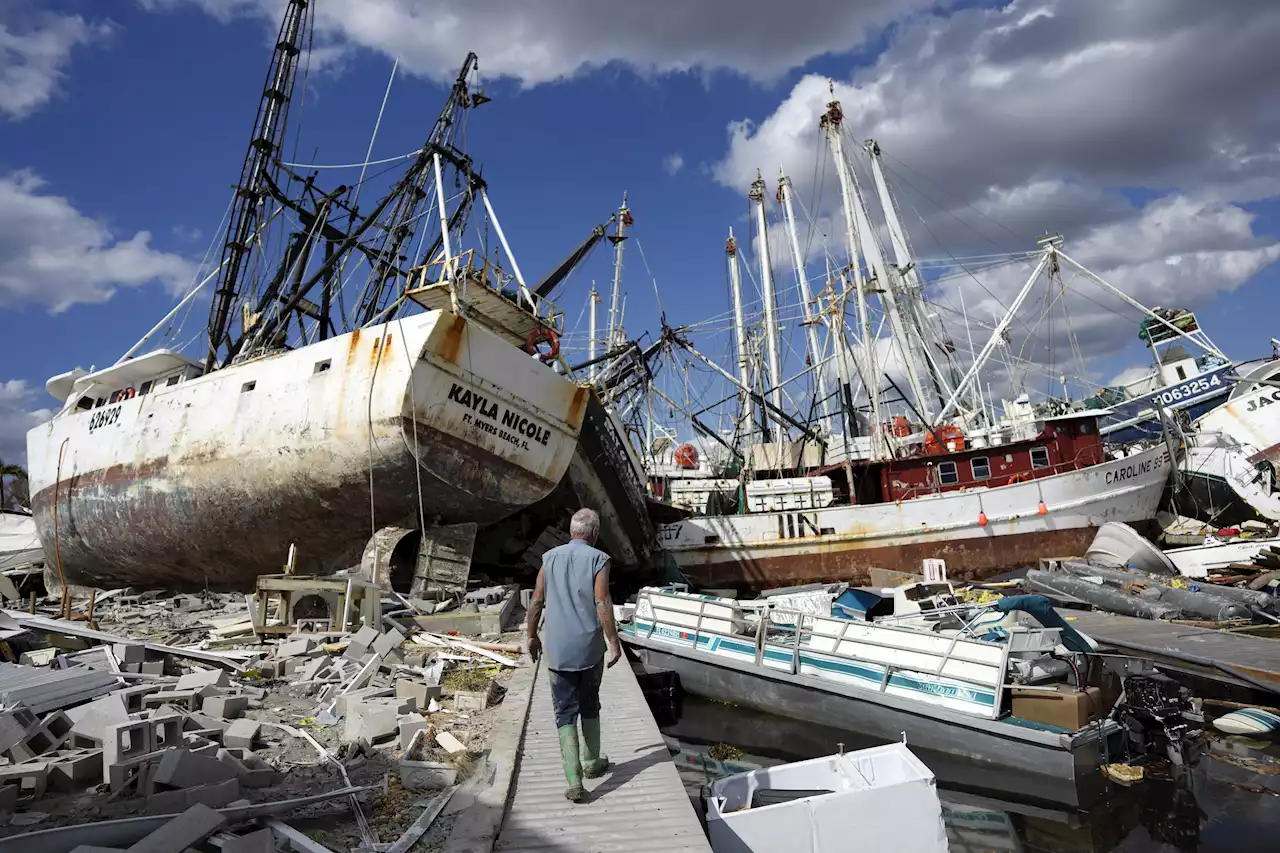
261, 161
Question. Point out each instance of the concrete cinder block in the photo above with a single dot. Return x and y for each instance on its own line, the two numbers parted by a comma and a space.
226, 707
201, 745
204, 722
365, 636
312, 669
186, 830
15, 723
167, 710
386, 643
204, 678
341, 703
187, 699
356, 651
152, 667
214, 796
123, 742
370, 720
133, 696
294, 648
58, 725
180, 768
133, 772
30, 778
420, 692
130, 652
166, 731
409, 726
251, 770
75, 769
241, 734
262, 841
89, 722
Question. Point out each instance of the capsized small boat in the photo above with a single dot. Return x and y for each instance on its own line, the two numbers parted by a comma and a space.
1248, 721
884, 797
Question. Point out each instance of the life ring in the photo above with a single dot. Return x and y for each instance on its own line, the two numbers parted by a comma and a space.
1024, 477
543, 335
122, 395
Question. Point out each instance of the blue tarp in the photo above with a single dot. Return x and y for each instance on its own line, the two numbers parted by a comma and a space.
1041, 608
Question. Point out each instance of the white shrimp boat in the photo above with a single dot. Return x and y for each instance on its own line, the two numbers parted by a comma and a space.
946, 478
978, 530
1232, 453
325, 414
203, 478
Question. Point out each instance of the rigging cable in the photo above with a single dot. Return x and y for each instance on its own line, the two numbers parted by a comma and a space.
358, 165
413, 408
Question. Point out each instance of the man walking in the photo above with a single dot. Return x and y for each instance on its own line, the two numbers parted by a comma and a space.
574, 586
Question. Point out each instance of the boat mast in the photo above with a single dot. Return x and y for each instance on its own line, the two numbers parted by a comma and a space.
593, 299
912, 291
740, 333
997, 334
806, 296
260, 161
770, 309
886, 280
616, 335
830, 122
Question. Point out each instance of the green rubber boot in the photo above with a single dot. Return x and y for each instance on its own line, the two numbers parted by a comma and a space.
572, 764
594, 764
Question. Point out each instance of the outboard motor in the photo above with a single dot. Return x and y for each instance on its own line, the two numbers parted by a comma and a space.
1151, 711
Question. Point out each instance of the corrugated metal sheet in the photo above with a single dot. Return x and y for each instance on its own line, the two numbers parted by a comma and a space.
640, 806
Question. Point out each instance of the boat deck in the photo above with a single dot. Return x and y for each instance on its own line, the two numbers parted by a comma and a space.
641, 805
1240, 659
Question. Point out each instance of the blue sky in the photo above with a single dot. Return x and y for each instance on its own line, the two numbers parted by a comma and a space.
131, 118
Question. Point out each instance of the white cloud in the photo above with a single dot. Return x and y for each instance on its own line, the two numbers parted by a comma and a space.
33, 59
19, 413
1000, 124
52, 254
537, 41
673, 163
1130, 374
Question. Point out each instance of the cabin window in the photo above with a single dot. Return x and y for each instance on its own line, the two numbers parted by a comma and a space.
981, 468
947, 474
1039, 457
145, 387
98, 403
322, 366
1182, 372
173, 380
1084, 427
248, 386
85, 403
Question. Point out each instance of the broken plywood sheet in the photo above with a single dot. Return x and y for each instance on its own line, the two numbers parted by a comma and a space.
444, 557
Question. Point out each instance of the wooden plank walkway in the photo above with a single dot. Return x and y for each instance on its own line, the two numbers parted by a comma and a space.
1234, 658
641, 805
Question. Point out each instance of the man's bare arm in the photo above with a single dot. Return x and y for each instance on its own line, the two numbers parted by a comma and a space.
604, 609
534, 616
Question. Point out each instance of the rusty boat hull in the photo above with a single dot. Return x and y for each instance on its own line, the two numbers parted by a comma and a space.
758, 551
430, 418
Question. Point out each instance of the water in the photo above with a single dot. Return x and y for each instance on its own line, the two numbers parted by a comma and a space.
1219, 805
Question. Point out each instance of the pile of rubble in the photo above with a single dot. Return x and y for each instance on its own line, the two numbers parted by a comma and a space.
249, 717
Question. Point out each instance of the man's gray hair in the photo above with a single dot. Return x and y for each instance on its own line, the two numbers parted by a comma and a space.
585, 524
